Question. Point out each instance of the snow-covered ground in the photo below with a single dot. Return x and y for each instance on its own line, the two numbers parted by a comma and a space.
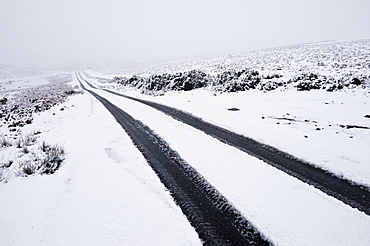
106, 194
284, 209
327, 129
14, 79
308, 125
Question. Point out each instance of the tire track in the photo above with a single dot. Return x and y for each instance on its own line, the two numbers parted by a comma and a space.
356, 196
214, 218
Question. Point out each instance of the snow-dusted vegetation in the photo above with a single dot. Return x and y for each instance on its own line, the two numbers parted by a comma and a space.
25, 154
329, 66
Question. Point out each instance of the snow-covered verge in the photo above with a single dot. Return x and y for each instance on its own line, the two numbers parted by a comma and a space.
24, 154
104, 192
327, 126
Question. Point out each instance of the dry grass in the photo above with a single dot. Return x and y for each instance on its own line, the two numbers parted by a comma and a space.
54, 158
5, 141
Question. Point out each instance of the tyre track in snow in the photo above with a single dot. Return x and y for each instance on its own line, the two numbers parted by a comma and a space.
356, 196
216, 221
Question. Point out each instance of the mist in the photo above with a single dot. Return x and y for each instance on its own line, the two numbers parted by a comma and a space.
68, 34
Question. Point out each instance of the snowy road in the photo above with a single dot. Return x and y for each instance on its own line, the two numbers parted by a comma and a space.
347, 192
213, 217
285, 210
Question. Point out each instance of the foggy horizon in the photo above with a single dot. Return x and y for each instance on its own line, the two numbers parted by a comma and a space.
67, 34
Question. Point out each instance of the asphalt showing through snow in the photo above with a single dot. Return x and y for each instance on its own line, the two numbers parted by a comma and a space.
354, 195
216, 221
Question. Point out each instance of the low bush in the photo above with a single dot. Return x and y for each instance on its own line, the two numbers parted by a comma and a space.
54, 158
238, 80
5, 141
44, 159
307, 85
233, 81
26, 168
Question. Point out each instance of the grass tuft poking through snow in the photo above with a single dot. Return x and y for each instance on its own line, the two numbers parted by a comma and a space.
5, 142
53, 159
26, 168
25, 149
29, 158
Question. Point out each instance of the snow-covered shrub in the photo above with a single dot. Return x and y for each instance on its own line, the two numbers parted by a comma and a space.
44, 147
184, 81
25, 149
6, 164
26, 168
3, 100
120, 80
334, 86
307, 85
190, 80
19, 143
234, 86
268, 85
5, 141
155, 83
311, 81
53, 159
232, 77
30, 139
357, 80
44, 159
73, 91
135, 81
306, 82
232, 81
273, 76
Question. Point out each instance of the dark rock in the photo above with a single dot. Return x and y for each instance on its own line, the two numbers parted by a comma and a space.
3, 100
233, 109
354, 126
356, 81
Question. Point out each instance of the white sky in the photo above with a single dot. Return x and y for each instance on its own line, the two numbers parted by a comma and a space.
58, 34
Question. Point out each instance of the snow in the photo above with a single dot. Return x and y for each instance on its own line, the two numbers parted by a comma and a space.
283, 208
13, 78
106, 194
311, 125
343, 152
